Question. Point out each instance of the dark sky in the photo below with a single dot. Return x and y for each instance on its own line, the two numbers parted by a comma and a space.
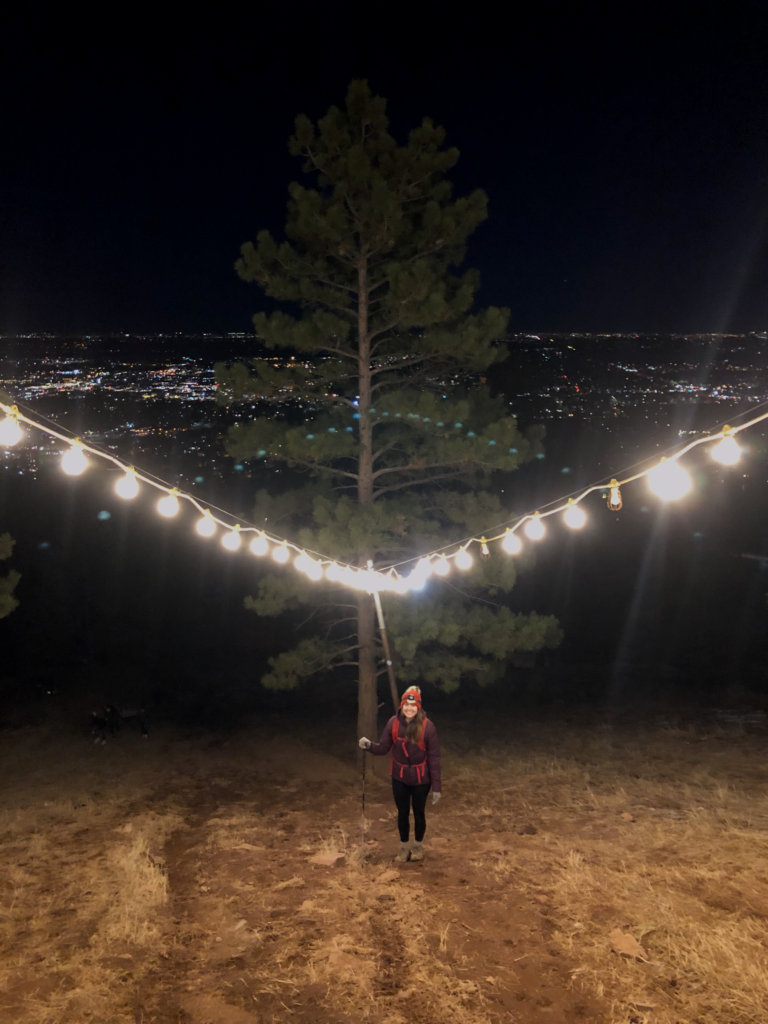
624, 149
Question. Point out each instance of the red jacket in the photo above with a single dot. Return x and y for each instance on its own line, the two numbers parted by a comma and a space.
410, 764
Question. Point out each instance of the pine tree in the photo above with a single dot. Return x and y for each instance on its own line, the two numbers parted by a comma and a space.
399, 433
8, 602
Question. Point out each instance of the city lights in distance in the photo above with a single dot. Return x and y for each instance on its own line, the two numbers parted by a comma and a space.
127, 486
10, 432
512, 543
463, 559
259, 545
574, 516
168, 506
74, 461
669, 481
727, 452
206, 527
231, 539
534, 528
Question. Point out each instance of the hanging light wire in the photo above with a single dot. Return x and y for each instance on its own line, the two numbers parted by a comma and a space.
388, 577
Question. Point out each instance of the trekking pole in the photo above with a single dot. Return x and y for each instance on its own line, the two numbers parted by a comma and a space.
385, 645
362, 835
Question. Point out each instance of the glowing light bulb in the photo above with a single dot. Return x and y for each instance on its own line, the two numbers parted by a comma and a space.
400, 586
669, 481
614, 498
314, 570
574, 516
727, 452
206, 527
127, 486
281, 553
416, 581
74, 461
333, 573
424, 567
463, 559
484, 552
512, 543
303, 561
259, 545
442, 566
10, 432
168, 506
534, 528
231, 540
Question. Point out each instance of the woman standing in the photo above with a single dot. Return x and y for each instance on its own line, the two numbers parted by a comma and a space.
414, 766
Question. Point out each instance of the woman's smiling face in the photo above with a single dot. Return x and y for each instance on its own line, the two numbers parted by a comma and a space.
410, 710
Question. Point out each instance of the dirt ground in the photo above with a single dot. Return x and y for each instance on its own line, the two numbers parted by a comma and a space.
586, 874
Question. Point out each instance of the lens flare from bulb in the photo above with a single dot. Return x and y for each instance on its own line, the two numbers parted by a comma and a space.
727, 452
206, 527
463, 559
442, 566
74, 461
259, 545
534, 528
127, 486
231, 540
10, 432
574, 516
669, 481
281, 553
168, 506
512, 543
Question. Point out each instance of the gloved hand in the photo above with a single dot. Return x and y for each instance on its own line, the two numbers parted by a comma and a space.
363, 743
436, 797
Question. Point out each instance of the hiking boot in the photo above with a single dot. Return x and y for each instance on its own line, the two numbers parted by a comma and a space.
417, 850
404, 854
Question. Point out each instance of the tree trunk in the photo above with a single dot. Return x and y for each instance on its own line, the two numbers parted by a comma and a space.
366, 682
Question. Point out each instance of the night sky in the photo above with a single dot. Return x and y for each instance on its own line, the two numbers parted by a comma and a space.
624, 150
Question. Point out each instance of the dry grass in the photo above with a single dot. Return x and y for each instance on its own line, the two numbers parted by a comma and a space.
663, 835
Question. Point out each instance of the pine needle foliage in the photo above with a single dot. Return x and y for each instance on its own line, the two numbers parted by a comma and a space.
398, 434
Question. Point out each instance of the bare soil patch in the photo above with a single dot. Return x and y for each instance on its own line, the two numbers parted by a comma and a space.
174, 881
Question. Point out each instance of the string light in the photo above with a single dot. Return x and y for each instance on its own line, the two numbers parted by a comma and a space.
231, 540
534, 528
259, 545
727, 452
512, 543
74, 461
169, 505
127, 486
574, 516
463, 559
10, 431
206, 527
281, 553
669, 481
614, 497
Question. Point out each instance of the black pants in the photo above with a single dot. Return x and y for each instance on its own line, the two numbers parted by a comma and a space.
404, 795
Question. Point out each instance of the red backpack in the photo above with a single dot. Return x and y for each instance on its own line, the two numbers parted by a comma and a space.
421, 744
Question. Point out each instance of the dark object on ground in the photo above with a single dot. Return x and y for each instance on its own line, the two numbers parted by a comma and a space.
111, 719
